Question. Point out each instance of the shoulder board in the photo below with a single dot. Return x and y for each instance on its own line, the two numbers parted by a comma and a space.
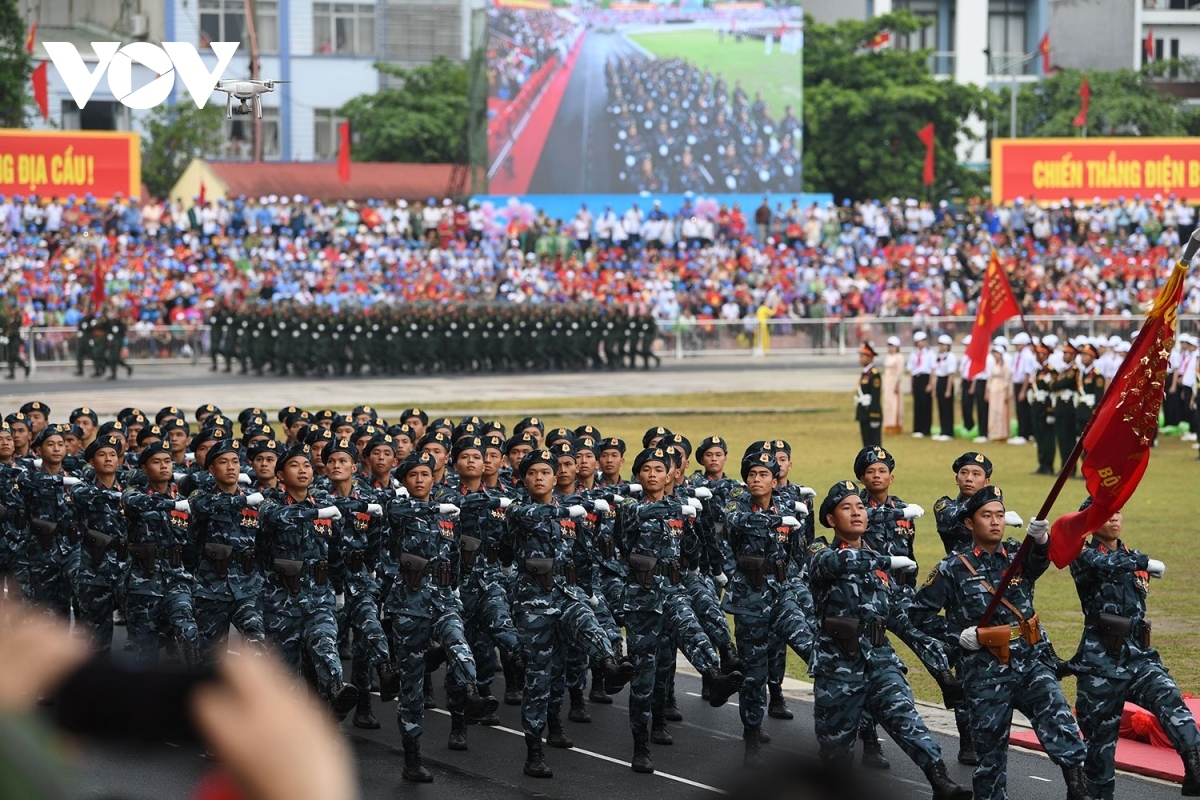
818, 545
940, 505
932, 577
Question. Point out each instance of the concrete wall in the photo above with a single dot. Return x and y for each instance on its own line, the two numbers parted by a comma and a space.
830, 11
1092, 34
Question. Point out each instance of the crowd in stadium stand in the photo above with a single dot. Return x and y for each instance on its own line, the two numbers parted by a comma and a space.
520, 42
896, 258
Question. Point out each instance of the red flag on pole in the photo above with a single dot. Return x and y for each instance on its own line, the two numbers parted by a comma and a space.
879, 40
1085, 96
344, 152
203, 194
31, 38
1148, 44
1117, 442
99, 277
41, 89
926, 136
996, 304
1044, 49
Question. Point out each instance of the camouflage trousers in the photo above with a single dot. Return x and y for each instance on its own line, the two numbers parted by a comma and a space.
702, 594
883, 691
302, 622
411, 637
370, 645
98, 596
1039, 697
611, 587
213, 618
652, 638
577, 659
544, 637
48, 574
1100, 701
783, 622
488, 620
147, 617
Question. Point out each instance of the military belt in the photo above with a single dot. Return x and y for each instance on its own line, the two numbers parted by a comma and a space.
1114, 628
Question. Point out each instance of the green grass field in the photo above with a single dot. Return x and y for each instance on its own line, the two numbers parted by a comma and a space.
825, 439
777, 76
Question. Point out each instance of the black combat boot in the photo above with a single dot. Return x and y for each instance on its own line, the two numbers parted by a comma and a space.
616, 674
430, 700
730, 660
535, 761
514, 682
777, 708
414, 767
724, 686
554, 733
641, 753
1191, 774
487, 720
966, 749
578, 711
343, 697
389, 681
705, 686
658, 728
479, 705
597, 694
872, 755
363, 717
763, 736
1077, 783
671, 711
458, 732
752, 759
943, 787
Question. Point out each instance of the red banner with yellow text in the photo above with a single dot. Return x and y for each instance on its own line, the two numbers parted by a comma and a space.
61, 163
1047, 170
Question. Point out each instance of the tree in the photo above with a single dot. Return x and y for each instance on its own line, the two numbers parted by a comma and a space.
863, 108
422, 121
1123, 103
15, 67
174, 136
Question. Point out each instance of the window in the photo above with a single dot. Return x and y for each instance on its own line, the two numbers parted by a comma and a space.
237, 139
225, 21
344, 29
1006, 38
325, 133
927, 37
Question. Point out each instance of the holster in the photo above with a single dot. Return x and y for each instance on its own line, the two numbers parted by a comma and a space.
355, 560
1031, 631
780, 568
996, 639
1113, 629
754, 568
469, 551
43, 530
320, 573
443, 575
289, 572
248, 564
643, 569
96, 543
175, 557
143, 555
606, 546
414, 568
493, 552
876, 632
542, 570
3, 513
219, 557
844, 632
1142, 632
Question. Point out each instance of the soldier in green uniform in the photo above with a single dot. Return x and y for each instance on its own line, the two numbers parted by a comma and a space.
1065, 387
1041, 404
83, 344
868, 401
114, 330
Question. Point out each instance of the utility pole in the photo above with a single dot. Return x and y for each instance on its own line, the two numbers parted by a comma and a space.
253, 37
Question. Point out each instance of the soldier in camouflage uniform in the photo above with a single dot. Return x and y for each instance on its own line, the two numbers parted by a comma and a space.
298, 601
1116, 662
104, 557
1005, 666
10, 337
220, 553
548, 608
114, 330
14, 536
158, 593
84, 340
51, 556
854, 666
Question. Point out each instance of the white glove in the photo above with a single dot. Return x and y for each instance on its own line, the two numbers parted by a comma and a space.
801, 508
969, 639
330, 512
1156, 568
37, 462
601, 505
807, 492
1039, 529
402, 492
720, 580
689, 512
1013, 518
903, 562
505, 502
1088, 400
694, 503
254, 499
791, 522
594, 601
374, 509
913, 511
69, 481
634, 488
448, 508
182, 505
576, 511
243, 479
396, 485
454, 592
339, 601
703, 492
189, 457
178, 476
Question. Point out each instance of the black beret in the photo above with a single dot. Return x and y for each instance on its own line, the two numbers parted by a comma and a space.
381, 440
72, 430
709, 442
758, 447
760, 459
316, 433
409, 413
149, 432
17, 418
612, 443
530, 422
223, 446
471, 420
218, 420
370, 412
255, 431
521, 440
175, 423
537, 457
589, 431
402, 429
325, 415
136, 418
414, 460
779, 445
988, 494
658, 454
265, 446
284, 413
128, 411
207, 435
466, 429
48, 431
493, 442
870, 455
342, 445
440, 438
35, 405
84, 412
247, 413
837, 493
654, 433
295, 451
442, 423
114, 426
563, 447
675, 453
297, 416
153, 449
367, 430
680, 441
556, 435
167, 412
978, 459
466, 443
102, 442
493, 427
207, 408
585, 443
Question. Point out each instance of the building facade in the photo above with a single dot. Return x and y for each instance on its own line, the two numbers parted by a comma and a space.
1118, 34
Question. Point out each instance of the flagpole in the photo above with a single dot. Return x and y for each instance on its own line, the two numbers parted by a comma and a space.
1068, 466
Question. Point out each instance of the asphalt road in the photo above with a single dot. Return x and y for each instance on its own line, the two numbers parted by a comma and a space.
705, 760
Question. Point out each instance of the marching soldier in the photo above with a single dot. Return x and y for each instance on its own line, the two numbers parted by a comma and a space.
51, 555
103, 568
868, 401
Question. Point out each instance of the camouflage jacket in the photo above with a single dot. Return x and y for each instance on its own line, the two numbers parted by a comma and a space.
223, 519
1110, 582
537, 531
98, 508
151, 518
417, 529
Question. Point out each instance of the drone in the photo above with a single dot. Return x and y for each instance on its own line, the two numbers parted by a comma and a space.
245, 91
